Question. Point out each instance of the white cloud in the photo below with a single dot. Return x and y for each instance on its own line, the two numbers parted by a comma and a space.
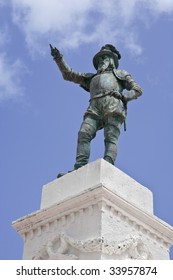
10, 85
162, 6
2, 2
4, 35
70, 23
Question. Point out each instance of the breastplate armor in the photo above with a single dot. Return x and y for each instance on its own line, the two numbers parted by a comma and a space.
103, 83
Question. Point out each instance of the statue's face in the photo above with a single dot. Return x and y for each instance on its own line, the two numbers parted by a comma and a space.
103, 62
104, 58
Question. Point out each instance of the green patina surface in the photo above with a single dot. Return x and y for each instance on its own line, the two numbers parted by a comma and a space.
107, 108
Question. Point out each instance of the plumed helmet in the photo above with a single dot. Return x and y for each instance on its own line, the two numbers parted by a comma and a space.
109, 50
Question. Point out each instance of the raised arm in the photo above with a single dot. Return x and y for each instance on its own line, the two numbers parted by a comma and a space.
67, 72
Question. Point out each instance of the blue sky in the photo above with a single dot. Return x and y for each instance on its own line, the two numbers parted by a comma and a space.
40, 113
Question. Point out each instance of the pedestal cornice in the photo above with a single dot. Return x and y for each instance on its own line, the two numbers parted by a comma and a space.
106, 201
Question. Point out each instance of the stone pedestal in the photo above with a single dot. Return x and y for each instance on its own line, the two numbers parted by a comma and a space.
95, 212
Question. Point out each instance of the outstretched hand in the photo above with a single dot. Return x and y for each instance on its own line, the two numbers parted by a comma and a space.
55, 52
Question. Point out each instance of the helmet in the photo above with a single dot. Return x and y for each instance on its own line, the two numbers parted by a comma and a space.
108, 50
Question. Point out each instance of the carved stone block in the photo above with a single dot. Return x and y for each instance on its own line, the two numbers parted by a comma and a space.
96, 212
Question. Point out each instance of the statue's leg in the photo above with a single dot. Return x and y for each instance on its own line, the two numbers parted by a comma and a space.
111, 134
86, 133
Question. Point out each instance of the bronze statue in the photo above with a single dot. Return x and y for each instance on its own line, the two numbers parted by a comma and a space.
108, 103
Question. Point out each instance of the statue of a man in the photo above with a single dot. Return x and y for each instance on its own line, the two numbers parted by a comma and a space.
108, 103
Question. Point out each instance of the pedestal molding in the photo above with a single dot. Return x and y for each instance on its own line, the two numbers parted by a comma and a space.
101, 197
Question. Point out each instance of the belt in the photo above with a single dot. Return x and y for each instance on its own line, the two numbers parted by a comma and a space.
114, 93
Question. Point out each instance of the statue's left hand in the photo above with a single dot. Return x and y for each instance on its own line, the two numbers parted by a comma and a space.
124, 98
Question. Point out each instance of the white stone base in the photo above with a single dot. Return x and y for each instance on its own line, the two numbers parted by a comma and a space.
93, 175
95, 212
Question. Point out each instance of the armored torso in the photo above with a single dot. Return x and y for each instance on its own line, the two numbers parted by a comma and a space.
103, 83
